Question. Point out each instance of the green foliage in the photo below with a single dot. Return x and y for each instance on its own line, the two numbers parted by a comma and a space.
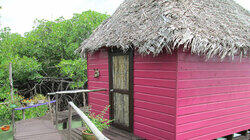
24, 67
53, 44
46, 51
39, 97
75, 70
6, 110
5, 113
98, 120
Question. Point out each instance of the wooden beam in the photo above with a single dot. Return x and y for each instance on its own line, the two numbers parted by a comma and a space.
69, 121
92, 127
13, 121
23, 111
229, 137
76, 91
50, 110
12, 97
84, 99
64, 125
56, 111
11, 82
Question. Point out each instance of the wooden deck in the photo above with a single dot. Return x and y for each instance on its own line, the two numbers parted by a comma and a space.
111, 133
43, 129
36, 129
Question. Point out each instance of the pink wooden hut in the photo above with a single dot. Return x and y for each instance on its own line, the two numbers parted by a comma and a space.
174, 69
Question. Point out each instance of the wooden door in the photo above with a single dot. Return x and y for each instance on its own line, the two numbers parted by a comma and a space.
121, 88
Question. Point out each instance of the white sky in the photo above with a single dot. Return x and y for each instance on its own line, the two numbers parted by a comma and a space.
19, 15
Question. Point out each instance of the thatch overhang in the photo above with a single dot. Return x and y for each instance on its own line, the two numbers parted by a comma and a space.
205, 27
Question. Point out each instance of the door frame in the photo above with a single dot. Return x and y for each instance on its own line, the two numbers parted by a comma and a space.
114, 52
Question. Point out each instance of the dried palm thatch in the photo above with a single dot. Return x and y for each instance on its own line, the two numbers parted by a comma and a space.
206, 27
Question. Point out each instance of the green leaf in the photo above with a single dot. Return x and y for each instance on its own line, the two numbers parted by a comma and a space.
13, 106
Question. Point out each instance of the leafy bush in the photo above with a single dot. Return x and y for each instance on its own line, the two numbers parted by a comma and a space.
98, 120
75, 70
39, 97
6, 110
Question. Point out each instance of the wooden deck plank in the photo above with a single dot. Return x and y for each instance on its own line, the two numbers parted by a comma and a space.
46, 136
111, 133
36, 129
43, 129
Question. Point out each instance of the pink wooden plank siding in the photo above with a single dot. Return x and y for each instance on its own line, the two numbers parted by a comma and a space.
213, 97
98, 100
154, 96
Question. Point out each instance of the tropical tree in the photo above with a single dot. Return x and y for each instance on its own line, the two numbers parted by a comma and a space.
44, 59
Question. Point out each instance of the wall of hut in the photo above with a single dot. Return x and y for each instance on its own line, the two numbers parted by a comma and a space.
154, 96
98, 100
154, 92
213, 97
180, 96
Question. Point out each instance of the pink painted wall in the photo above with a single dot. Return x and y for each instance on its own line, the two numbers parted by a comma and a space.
98, 100
154, 92
154, 96
213, 97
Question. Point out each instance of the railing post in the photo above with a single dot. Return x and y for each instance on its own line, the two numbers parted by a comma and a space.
12, 97
69, 121
229, 137
23, 114
50, 109
13, 121
84, 101
56, 111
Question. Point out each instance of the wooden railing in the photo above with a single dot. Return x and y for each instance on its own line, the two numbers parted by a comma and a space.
92, 127
23, 110
36, 105
84, 91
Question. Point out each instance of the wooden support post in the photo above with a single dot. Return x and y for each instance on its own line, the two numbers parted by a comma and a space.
23, 114
56, 111
50, 109
84, 99
69, 121
12, 97
64, 125
11, 82
13, 121
248, 134
229, 137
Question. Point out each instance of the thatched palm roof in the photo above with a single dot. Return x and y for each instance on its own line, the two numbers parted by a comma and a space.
206, 27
